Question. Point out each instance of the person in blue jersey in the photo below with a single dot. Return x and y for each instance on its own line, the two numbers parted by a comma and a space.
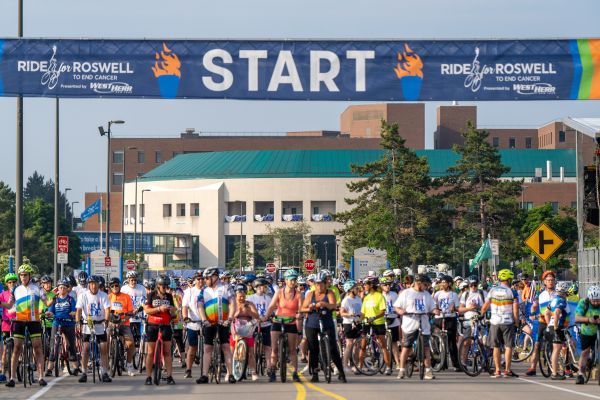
557, 315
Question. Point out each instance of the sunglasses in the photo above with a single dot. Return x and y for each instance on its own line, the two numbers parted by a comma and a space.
115, 285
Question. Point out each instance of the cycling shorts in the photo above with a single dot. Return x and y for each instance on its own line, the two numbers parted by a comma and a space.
34, 327
409, 339
587, 342
211, 331
502, 335
152, 333
351, 331
286, 328
125, 331
192, 337
99, 338
378, 330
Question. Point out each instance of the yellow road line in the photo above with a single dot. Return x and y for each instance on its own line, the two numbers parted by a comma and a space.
321, 390
301, 395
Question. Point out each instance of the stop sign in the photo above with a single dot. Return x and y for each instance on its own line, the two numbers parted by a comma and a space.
130, 264
107, 262
270, 268
309, 264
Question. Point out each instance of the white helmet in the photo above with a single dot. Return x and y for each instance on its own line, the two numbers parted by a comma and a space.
562, 287
388, 272
593, 292
131, 274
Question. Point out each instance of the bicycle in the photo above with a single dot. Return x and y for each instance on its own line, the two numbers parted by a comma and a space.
324, 348
140, 356
157, 368
371, 361
61, 351
259, 356
116, 350
568, 358
26, 369
137, 335
474, 357
282, 342
418, 354
215, 370
94, 349
46, 332
240, 354
9, 345
522, 345
439, 347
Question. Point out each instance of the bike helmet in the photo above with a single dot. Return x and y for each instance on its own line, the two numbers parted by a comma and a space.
82, 277
386, 281
424, 278
447, 278
260, 282
211, 271
63, 282
101, 281
72, 281
301, 280
371, 280
463, 285
290, 274
240, 287
131, 274
46, 279
593, 292
458, 278
93, 278
114, 281
25, 269
505, 274
473, 280
573, 289
249, 278
146, 284
225, 275
388, 273
562, 287
547, 273
311, 277
163, 280
260, 275
349, 285
11, 276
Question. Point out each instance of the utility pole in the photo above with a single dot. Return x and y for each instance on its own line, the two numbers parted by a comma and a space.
19, 169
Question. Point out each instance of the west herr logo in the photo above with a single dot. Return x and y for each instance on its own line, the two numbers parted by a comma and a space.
534, 88
111, 87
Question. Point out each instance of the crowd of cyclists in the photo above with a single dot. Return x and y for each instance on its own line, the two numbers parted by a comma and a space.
379, 324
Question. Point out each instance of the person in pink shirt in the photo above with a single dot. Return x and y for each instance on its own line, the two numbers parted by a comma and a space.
7, 314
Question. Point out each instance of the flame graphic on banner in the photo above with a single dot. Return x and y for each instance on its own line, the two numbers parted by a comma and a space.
409, 64
169, 65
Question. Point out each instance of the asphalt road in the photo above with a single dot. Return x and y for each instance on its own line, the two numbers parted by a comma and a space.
447, 385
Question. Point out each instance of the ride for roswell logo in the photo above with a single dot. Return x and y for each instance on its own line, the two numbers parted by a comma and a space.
410, 72
167, 71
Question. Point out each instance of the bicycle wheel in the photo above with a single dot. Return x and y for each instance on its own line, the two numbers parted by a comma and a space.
65, 358
523, 346
93, 352
25, 359
388, 346
218, 362
543, 361
437, 348
421, 356
373, 357
120, 357
240, 355
325, 357
112, 357
548, 347
57, 354
474, 359
157, 367
142, 355
283, 355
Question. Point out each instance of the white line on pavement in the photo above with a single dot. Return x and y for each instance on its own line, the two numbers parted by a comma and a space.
561, 388
52, 383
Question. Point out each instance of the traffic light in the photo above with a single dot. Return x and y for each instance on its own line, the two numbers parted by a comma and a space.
590, 202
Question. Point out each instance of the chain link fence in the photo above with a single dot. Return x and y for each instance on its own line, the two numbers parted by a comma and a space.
588, 263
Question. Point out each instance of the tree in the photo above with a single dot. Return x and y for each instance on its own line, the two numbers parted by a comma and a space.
246, 256
484, 204
7, 218
38, 187
288, 245
395, 208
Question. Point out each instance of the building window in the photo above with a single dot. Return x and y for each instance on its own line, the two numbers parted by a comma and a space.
166, 210
117, 178
118, 157
574, 204
528, 142
141, 157
132, 211
562, 136
181, 209
195, 209
512, 143
158, 157
496, 141
528, 205
315, 210
554, 205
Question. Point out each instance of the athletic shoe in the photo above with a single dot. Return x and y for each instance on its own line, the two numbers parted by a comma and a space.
272, 377
188, 374
106, 378
254, 376
558, 377
315, 378
531, 372
42, 382
170, 380
388, 371
429, 375
401, 373
497, 374
49, 373
305, 369
202, 379
231, 379
342, 378
510, 374
580, 380
130, 370
83, 378
148, 381
569, 373
10, 383
295, 377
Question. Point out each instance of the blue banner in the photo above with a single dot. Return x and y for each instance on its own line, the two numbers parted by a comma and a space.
90, 241
402, 70
93, 208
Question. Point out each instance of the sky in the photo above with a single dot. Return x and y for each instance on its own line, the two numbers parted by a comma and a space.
83, 151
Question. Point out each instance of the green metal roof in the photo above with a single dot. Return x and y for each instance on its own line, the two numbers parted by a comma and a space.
335, 163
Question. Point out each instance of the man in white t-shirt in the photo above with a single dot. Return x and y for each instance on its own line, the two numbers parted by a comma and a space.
446, 301
392, 320
94, 308
414, 305
261, 299
191, 316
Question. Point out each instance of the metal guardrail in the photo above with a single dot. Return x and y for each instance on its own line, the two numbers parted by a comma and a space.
588, 269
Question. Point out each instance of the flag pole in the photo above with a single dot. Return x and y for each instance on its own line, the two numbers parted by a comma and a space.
100, 223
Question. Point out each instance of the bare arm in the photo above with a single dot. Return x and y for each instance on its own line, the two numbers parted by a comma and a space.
273, 304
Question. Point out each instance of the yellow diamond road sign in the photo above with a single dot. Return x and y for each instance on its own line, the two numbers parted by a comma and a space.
544, 242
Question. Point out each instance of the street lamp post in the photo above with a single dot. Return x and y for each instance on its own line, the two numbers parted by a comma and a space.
72, 213
123, 204
337, 257
241, 237
325, 244
107, 133
66, 201
135, 220
142, 215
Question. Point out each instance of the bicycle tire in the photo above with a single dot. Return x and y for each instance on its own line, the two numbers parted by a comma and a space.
239, 359
25, 364
283, 355
65, 358
325, 355
548, 355
142, 355
388, 346
121, 358
218, 361
112, 357
372, 361
523, 346
93, 358
199, 359
57, 354
474, 361
157, 367
437, 348
421, 356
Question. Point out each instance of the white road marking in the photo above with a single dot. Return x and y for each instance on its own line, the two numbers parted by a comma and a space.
562, 389
52, 383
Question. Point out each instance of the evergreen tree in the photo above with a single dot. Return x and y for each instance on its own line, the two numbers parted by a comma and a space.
395, 208
7, 218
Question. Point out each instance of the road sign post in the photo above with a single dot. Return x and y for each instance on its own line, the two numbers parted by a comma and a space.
544, 242
309, 265
62, 256
130, 264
